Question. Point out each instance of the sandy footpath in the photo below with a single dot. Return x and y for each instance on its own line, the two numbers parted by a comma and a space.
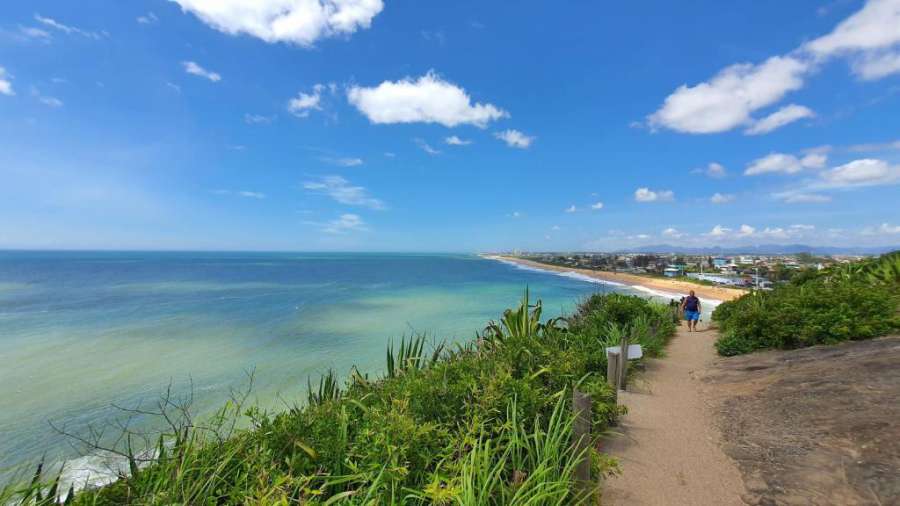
668, 444
665, 285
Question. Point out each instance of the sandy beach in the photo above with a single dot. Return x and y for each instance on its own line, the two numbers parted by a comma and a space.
664, 285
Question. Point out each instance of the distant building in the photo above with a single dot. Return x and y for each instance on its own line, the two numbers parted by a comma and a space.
671, 272
720, 262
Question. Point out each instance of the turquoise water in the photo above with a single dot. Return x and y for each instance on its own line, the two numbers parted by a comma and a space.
81, 332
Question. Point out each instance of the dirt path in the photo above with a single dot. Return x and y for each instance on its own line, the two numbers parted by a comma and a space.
668, 444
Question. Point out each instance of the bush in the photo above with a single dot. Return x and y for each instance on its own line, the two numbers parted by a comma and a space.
819, 311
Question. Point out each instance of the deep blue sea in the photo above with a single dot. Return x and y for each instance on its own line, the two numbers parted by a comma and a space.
83, 331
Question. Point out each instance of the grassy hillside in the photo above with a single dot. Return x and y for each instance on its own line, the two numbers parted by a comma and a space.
484, 423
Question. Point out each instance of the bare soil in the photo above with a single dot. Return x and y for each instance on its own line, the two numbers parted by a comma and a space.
814, 426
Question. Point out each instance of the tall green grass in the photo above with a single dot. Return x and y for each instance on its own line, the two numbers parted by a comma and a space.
485, 423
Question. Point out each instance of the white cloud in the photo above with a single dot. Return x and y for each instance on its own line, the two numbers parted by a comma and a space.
801, 198
597, 205
803, 228
880, 146
571, 209
5, 83
67, 29
869, 37
745, 231
147, 19
51, 101
515, 138
716, 170
300, 22
647, 195
515, 214
174, 87
345, 223
721, 198
875, 66
252, 195
779, 118
673, 233
728, 99
343, 162
428, 99
426, 147
342, 191
814, 160
719, 231
883, 229
303, 103
863, 172
257, 119
32, 32
872, 27
555, 227
389, 154
194, 69
456, 141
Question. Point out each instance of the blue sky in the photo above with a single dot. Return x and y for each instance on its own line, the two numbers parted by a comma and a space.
447, 126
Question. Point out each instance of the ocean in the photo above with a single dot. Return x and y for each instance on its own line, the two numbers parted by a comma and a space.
83, 332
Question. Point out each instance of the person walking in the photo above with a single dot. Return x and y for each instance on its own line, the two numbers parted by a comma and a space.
691, 307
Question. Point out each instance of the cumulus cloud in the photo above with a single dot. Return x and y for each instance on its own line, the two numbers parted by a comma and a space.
672, 233
648, 195
597, 205
869, 38
779, 118
875, 146
863, 172
303, 103
428, 99
745, 231
571, 209
515, 138
50, 101
721, 198
713, 170
719, 231
456, 141
785, 163
300, 22
194, 69
727, 100
345, 223
5, 83
343, 192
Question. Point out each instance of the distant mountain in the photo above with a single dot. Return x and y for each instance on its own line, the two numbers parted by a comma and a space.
764, 249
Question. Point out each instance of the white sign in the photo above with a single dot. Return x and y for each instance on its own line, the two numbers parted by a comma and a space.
634, 351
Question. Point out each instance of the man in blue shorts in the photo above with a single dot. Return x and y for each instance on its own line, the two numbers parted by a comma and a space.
691, 308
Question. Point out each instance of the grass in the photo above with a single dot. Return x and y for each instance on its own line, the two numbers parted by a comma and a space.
488, 422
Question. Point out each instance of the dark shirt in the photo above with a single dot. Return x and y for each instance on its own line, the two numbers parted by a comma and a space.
691, 303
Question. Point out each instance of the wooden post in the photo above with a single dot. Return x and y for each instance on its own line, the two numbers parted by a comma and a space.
612, 369
581, 433
623, 362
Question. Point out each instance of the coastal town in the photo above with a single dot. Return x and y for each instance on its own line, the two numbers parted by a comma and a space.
745, 270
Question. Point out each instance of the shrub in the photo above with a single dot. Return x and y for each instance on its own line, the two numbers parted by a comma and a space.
819, 311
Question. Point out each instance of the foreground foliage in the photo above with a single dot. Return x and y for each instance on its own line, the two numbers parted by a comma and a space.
854, 301
488, 423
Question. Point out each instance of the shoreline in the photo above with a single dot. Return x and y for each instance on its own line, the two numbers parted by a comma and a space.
666, 286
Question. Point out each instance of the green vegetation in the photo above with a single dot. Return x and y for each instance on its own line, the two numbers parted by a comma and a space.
486, 423
851, 301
